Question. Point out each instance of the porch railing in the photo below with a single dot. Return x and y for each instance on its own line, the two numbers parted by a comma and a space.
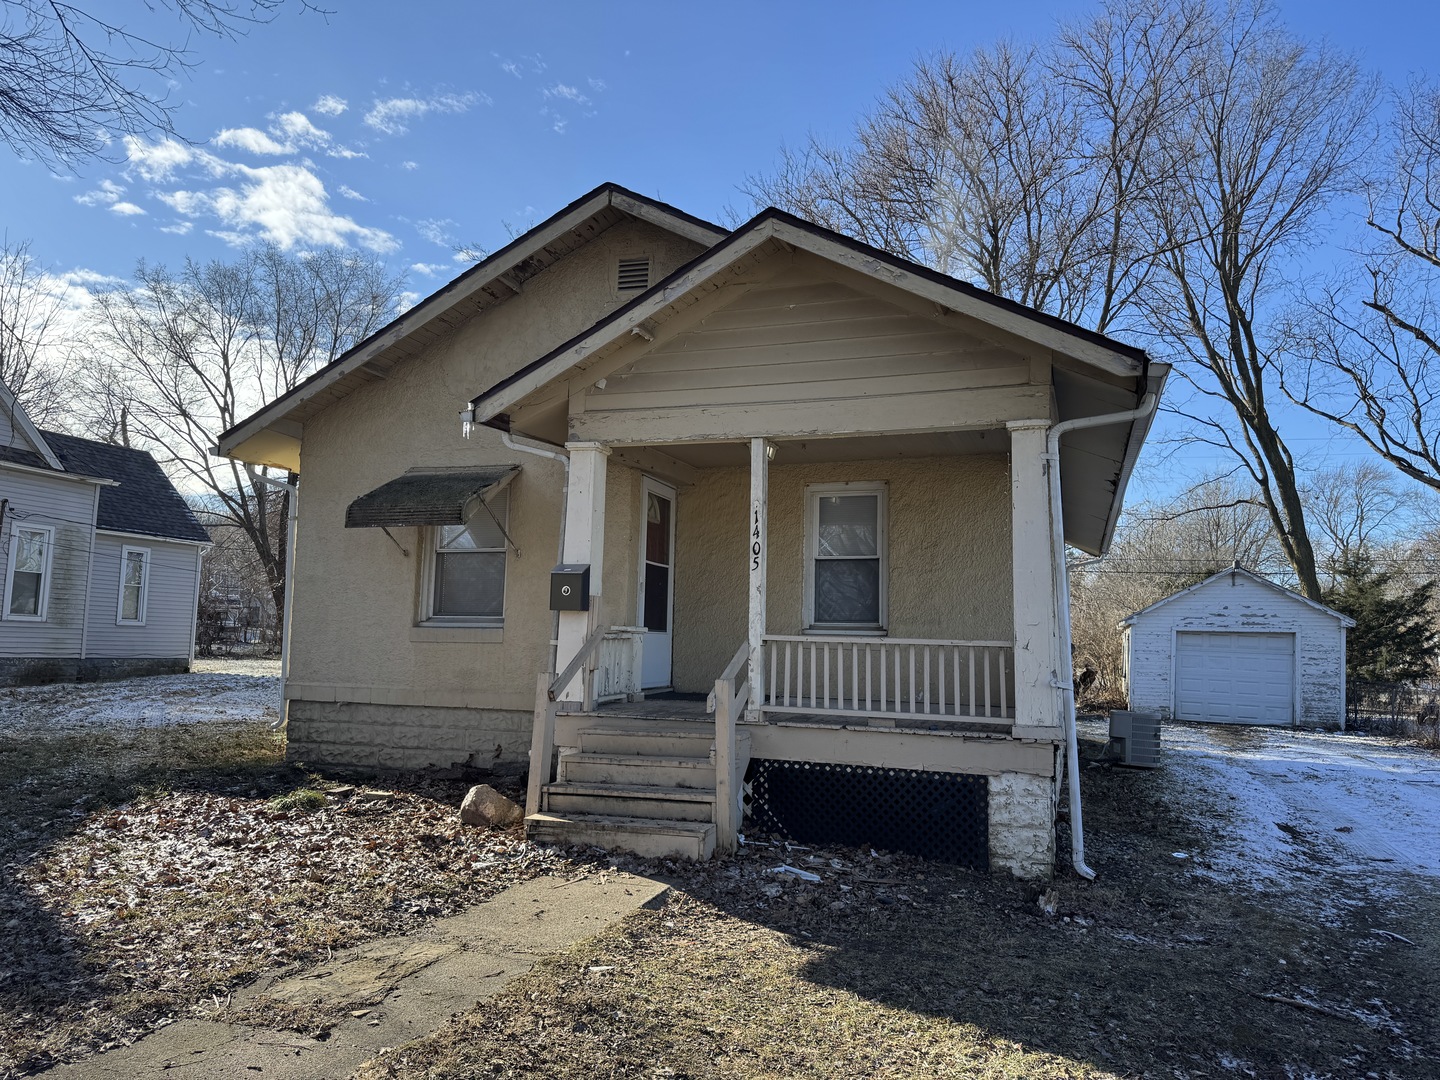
728, 701
616, 672
890, 678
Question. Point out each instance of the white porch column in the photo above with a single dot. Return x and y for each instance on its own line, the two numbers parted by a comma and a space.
1037, 700
756, 554
584, 543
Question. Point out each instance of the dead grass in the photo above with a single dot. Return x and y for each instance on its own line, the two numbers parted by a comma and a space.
147, 872
892, 967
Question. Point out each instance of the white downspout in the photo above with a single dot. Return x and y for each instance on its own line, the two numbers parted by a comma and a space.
1063, 666
564, 459
294, 491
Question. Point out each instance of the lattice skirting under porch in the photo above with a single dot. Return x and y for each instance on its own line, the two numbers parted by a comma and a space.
943, 816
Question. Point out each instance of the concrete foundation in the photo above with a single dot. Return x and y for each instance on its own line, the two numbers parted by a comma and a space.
35, 670
1022, 825
364, 736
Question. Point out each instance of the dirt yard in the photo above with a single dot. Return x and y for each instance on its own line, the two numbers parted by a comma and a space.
1266, 906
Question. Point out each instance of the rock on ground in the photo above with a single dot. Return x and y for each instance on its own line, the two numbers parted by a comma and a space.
484, 805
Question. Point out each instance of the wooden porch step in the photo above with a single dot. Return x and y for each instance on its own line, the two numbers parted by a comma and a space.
658, 771
631, 800
640, 836
695, 742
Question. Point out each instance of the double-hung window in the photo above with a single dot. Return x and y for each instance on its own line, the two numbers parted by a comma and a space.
27, 571
845, 572
134, 585
468, 567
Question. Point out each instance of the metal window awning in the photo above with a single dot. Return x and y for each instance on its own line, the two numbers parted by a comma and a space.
428, 497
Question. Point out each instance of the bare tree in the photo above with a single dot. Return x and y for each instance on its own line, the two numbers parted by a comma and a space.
1275, 133
31, 335
68, 73
193, 353
1375, 338
1354, 510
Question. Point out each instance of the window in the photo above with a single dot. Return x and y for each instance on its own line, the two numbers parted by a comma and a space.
27, 577
134, 585
845, 573
468, 568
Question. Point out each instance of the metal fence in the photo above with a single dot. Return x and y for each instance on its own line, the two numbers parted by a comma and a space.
1405, 709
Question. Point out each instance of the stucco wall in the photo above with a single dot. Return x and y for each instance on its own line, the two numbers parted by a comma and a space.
949, 546
356, 594
1236, 602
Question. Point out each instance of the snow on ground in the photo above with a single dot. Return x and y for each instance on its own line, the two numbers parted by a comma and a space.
217, 691
1304, 811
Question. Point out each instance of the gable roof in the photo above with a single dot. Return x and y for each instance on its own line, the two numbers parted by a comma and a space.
1345, 620
142, 501
489, 282
1107, 354
38, 447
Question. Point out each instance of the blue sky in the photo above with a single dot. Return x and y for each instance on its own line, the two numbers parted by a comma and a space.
410, 128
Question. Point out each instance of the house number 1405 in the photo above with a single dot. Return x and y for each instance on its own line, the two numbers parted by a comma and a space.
755, 541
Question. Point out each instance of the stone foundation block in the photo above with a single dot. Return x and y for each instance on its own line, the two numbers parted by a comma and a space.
1022, 825
357, 735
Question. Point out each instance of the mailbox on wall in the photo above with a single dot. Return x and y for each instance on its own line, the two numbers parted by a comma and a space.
570, 587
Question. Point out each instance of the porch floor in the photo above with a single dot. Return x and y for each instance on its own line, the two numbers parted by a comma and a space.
690, 708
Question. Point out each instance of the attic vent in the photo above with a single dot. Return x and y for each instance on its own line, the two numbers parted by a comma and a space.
633, 274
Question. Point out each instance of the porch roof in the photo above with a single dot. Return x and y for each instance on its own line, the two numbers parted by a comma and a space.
428, 498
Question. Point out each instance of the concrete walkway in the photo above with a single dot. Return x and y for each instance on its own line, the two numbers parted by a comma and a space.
405, 987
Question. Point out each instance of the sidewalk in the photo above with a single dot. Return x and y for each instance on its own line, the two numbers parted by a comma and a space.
405, 987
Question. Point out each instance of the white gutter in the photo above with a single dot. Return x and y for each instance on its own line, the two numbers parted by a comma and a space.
1063, 663
564, 459
294, 491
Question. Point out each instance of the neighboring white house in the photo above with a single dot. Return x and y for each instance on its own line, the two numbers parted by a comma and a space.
101, 559
1238, 649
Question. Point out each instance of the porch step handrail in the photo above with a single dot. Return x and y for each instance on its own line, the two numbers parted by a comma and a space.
548, 688
890, 678
728, 702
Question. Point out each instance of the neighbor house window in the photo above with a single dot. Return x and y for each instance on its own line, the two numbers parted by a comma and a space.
845, 572
468, 570
134, 585
27, 575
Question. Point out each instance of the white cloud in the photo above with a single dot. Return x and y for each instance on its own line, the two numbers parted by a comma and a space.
436, 230
429, 269
330, 105
511, 68
156, 161
251, 139
351, 193
107, 194
126, 209
409, 166
393, 116
566, 93
598, 85
559, 126
180, 228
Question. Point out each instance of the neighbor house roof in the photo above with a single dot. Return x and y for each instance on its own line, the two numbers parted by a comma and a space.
1240, 571
141, 501
274, 431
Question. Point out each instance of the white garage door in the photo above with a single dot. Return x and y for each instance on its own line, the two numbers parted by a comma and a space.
1235, 678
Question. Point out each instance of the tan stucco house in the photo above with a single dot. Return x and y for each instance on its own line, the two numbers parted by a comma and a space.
808, 502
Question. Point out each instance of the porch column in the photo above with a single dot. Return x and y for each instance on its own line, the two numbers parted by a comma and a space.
757, 543
584, 543
1037, 700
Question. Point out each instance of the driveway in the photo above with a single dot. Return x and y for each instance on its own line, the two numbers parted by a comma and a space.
1302, 811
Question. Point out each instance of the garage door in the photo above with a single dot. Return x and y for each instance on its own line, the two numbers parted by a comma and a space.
1235, 678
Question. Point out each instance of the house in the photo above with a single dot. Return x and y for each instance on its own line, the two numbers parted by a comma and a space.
101, 558
1238, 649
785, 476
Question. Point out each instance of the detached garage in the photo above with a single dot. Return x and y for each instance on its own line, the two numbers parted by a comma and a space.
1238, 649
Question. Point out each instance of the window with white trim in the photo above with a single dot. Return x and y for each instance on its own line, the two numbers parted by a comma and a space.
134, 585
467, 568
845, 556
27, 571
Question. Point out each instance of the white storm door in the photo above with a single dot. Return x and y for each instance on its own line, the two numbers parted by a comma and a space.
657, 581
1235, 678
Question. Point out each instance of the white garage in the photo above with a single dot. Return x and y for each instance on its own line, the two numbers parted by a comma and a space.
1238, 649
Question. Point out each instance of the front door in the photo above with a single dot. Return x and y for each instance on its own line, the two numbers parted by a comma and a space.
657, 582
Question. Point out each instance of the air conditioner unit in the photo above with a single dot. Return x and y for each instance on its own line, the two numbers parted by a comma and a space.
1138, 738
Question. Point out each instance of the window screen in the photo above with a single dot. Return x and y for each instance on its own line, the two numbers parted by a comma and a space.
470, 565
27, 578
846, 582
132, 586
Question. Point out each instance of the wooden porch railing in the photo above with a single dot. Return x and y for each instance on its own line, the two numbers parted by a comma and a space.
548, 688
728, 703
615, 675
890, 678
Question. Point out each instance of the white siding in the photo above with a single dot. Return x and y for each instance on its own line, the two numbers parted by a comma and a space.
68, 507
1240, 604
169, 603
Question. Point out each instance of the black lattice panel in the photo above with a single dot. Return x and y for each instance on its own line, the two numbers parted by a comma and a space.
935, 815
